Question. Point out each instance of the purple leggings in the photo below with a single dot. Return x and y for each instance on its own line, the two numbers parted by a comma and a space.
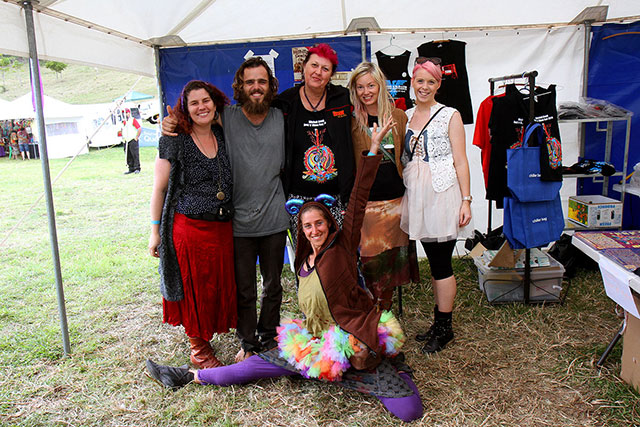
406, 408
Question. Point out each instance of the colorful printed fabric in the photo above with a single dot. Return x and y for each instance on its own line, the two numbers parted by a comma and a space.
327, 357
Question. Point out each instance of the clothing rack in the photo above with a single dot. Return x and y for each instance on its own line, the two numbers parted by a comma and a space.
531, 76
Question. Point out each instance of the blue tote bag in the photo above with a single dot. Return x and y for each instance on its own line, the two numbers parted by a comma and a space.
532, 224
523, 170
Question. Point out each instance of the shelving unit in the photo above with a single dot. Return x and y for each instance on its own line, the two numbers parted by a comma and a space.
621, 188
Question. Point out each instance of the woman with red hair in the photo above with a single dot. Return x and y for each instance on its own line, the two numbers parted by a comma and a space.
318, 148
436, 207
191, 222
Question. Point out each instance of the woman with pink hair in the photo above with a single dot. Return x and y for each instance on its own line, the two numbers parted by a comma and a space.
436, 207
318, 149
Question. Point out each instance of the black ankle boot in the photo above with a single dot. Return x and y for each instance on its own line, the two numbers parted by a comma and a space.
429, 332
169, 376
442, 334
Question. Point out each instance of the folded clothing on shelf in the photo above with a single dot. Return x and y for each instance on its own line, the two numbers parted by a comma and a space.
588, 166
589, 108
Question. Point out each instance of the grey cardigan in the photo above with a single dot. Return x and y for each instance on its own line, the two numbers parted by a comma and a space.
172, 149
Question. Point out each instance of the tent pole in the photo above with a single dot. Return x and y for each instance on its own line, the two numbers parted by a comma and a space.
585, 82
44, 161
156, 53
363, 44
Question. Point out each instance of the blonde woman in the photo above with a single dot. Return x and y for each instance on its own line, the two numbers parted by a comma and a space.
436, 208
384, 247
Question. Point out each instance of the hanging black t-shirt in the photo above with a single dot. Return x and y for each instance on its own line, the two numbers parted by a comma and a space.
395, 69
454, 91
314, 164
509, 118
388, 184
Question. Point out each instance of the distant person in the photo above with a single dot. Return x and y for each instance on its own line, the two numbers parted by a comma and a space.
131, 130
23, 143
254, 132
13, 142
191, 229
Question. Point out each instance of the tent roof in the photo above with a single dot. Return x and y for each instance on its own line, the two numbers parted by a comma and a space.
120, 33
22, 108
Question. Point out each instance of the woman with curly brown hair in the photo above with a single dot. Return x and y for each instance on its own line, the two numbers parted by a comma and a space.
191, 228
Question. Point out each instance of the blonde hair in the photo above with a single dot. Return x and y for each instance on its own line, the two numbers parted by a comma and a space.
384, 101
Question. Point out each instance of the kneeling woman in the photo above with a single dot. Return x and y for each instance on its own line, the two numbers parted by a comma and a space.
344, 330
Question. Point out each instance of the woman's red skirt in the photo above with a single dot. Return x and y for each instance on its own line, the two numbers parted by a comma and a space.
205, 256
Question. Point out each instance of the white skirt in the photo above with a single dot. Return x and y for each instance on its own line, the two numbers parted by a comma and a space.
429, 216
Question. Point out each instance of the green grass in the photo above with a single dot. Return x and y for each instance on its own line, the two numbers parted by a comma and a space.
509, 365
77, 84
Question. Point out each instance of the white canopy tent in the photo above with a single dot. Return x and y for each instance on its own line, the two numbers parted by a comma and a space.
121, 34
125, 35
63, 123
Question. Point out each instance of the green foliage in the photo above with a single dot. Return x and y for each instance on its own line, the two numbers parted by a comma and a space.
81, 84
8, 62
56, 67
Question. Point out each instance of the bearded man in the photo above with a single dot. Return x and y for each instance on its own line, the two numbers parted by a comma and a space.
254, 132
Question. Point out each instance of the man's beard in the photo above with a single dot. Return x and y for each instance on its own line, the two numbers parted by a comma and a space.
256, 108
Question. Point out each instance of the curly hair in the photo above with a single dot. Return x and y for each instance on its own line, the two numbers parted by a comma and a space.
325, 51
181, 108
253, 62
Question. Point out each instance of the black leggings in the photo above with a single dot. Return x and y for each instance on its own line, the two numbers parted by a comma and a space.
439, 254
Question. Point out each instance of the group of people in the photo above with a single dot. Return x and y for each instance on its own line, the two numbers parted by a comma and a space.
354, 178
17, 142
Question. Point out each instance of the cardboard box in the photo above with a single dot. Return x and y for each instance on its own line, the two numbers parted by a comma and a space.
631, 350
595, 211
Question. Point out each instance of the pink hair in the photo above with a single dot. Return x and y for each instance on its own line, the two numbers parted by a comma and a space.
430, 68
325, 51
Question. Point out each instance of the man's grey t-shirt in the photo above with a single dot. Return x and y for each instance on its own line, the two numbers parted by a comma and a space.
257, 157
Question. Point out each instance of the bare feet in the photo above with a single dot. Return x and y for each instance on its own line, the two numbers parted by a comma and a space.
243, 355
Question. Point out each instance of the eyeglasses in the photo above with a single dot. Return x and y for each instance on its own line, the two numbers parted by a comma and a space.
434, 60
293, 206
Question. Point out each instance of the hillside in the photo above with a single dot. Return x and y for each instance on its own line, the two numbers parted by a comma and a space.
77, 84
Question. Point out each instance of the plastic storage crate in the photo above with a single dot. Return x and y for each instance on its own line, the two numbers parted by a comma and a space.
503, 286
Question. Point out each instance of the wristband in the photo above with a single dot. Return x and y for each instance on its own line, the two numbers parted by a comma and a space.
155, 221
371, 154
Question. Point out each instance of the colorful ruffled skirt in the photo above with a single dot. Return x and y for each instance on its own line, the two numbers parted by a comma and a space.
327, 357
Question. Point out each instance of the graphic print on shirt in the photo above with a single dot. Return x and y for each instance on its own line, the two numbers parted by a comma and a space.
319, 160
553, 147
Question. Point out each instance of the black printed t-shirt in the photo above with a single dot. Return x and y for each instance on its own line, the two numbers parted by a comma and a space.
509, 118
395, 69
388, 184
314, 164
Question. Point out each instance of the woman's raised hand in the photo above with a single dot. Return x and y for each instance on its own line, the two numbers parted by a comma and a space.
378, 134
169, 123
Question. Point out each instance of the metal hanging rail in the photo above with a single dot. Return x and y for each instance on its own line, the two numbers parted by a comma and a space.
531, 76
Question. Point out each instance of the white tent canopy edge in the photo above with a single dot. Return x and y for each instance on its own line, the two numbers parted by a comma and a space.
120, 34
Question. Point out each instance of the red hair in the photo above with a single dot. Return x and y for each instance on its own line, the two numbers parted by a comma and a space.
325, 51
429, 67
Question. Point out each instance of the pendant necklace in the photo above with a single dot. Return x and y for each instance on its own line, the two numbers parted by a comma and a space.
220, 194
313, 107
